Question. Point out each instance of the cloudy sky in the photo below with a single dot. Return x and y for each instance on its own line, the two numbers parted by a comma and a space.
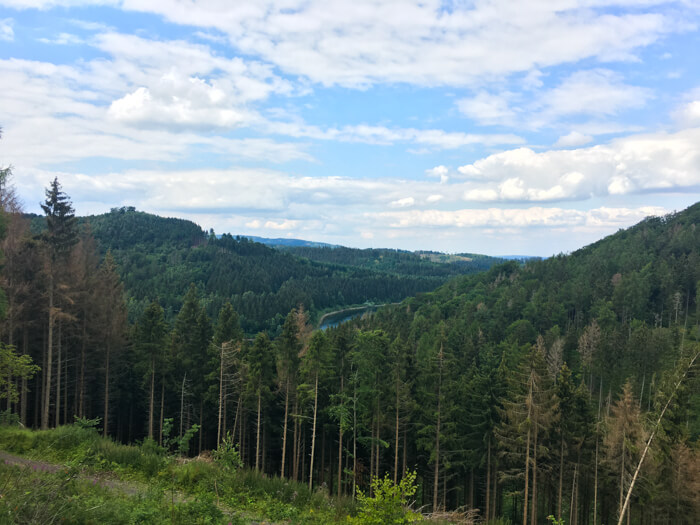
493, 126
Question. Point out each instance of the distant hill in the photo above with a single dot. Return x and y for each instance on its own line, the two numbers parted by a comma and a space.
283, 242
159, 257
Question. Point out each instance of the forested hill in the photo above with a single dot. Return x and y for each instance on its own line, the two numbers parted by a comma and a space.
557, 372
397, 261
159, 257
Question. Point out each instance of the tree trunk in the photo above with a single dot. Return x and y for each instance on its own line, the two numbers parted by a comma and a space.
354, 439
313, 435
106, 410
284, 428
561, 476
295, 444
437, 438
49, 359
57, 419
162, 410
151, 401
81, 385
221, 395
488, 479
533, 510
257, 434
527, 456
396, 435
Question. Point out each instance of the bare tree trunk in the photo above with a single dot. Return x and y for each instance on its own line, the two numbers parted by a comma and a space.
182, 402
57, 419
488, 479
162, 410
396, 435
354, 439
527, 456
340, 441
340, 459
533, 510
284, 428
437, 437
313, 435
81, 385
221, 395
597, 439
151, 407
651, 437
295, 445
257, 435
49, 359
201, 425
25, 391
65, 390
106, 421
561, 476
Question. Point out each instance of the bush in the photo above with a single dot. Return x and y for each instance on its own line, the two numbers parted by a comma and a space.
226, 456
389, 505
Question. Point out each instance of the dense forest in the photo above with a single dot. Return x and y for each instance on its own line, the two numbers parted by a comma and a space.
562, 387
159, 257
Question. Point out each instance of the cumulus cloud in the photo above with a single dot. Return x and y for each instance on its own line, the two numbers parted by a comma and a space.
439, 172
634, 164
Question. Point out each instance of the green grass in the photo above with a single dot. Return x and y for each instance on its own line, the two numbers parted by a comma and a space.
170, 490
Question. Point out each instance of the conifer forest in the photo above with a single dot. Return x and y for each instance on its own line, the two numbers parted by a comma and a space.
559, 390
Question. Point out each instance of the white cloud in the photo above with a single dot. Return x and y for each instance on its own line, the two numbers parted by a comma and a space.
635, 164
598, 92
689, 113
7, 33
572, 140
403, 203
439, 172
423, 43
488, 109
63, 39
518, 218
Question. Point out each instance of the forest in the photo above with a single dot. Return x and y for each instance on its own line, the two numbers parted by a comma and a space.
159, 257
563, 389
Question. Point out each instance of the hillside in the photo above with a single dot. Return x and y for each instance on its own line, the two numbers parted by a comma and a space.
531, 352
159, 257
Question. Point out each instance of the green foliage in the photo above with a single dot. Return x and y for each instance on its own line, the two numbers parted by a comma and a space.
389, 503
178, 444
226, 456
13, 367
85, 423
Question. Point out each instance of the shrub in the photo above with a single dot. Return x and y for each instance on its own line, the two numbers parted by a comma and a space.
389, 505
226, 456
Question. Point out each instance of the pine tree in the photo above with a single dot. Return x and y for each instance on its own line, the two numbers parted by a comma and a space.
60, 237
151, 340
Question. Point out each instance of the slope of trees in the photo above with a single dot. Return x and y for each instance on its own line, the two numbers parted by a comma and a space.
523, 391
159, 257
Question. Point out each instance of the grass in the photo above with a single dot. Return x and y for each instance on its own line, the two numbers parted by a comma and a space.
172, 490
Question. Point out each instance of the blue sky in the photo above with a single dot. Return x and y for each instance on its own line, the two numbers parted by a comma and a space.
497, 127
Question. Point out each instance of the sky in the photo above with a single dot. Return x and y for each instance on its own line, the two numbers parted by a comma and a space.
530, 127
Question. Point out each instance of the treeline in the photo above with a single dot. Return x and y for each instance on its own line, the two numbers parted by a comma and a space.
523, 391
399, 262
159, 257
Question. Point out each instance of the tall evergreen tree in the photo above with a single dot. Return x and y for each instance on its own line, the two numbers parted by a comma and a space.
59, 238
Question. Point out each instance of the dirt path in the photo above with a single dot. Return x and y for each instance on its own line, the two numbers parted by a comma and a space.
109, 481
104, 479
